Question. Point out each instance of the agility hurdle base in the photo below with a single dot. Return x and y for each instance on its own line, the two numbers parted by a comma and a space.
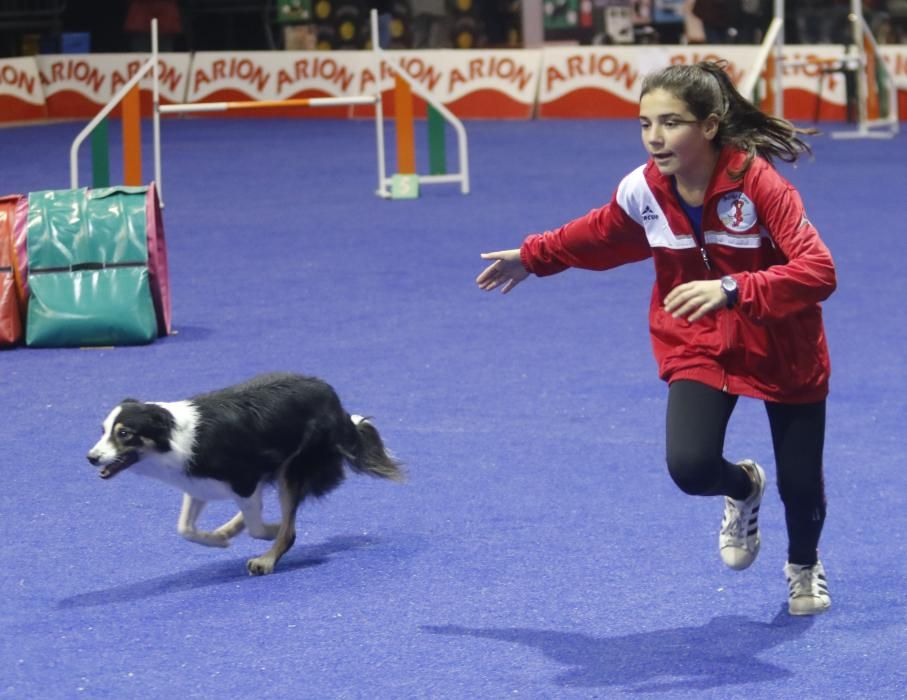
403, 184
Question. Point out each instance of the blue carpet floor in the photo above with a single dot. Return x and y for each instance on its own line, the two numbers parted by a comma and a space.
539, 548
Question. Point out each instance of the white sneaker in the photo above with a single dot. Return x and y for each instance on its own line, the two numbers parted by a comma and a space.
738, 541
808, 589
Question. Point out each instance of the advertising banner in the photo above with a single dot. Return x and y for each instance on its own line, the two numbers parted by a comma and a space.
593, 82
895, 58
21, 95
557, 82
79, 85
604, 82
472, 84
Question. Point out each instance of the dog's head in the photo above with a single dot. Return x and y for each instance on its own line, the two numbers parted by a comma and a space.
131, 431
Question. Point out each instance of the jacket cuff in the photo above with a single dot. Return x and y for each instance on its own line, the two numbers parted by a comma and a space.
525, 255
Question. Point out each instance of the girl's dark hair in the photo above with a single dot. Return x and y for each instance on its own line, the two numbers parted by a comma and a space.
707, 89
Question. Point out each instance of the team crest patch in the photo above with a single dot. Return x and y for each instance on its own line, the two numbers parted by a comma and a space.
737, 212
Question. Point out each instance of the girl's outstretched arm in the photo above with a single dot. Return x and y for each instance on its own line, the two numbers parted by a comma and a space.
506, 270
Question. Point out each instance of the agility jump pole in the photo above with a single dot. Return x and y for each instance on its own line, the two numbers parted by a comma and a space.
244, 105
129, 95
131, 113
404, 130
251, 105
403, 100
772, 43
866, 49
263, 104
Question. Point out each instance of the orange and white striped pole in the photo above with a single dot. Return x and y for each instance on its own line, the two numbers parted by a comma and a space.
269, 104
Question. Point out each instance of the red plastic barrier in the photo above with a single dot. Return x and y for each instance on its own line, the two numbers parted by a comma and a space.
13, 214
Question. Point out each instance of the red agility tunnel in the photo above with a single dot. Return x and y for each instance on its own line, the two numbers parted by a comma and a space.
13, 215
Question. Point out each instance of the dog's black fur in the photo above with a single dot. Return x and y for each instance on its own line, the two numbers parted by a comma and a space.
286, 429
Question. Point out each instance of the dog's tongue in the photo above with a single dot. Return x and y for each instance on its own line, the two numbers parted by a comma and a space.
108, 472
116, 467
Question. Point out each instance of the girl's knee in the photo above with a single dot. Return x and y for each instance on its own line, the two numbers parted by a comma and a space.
804, 498
695, 475
801, 488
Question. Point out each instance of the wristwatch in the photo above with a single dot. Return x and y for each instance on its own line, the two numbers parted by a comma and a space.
729, 286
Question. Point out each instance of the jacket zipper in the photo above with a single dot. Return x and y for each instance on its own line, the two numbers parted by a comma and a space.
727, 344
700, 241
699, 237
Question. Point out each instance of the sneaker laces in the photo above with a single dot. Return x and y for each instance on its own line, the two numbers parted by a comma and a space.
737, 511
807, 581
733, 520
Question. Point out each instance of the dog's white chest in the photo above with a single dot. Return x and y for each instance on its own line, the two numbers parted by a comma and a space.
201, 488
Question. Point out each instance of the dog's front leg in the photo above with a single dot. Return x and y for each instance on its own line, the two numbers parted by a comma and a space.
232, 527
192, 508
250, 512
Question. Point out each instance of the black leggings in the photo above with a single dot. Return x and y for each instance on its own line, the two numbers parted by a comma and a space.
696, 424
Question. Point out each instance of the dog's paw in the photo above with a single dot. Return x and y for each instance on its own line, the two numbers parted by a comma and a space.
230, 529
220, 539
208, 539
225, 533
260, 566
217, 539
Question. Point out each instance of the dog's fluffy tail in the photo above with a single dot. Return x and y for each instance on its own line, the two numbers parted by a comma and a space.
368, 455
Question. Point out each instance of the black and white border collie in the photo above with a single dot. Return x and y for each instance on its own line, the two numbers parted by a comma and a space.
285, 429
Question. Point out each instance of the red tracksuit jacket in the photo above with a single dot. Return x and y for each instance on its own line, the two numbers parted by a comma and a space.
771, 345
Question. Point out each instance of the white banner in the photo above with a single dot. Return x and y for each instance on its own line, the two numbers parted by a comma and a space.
451, 74
273, 75
19, 80
494, 82
97, 77
598, 81
561, 82
896, 61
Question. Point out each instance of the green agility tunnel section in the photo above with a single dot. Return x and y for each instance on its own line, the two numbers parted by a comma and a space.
97, 268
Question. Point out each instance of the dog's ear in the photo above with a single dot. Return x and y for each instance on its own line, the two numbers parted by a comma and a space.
159, 425
149, 421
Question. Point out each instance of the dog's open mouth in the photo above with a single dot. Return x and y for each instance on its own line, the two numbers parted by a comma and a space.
119, 464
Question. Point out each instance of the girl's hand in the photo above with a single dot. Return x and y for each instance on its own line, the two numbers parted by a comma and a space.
693, 300
507, 270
